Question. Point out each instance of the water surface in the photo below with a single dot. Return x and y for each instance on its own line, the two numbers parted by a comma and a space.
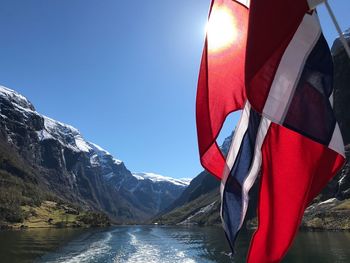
156, 244
27, 245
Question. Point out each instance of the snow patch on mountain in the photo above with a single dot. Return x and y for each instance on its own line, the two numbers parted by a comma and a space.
44, 135
82, 145
160, 178
59, 127
186, 180
102, 153
117, 162
138, 177
203, 210
99, 149
66, 135
71, 137
16, 98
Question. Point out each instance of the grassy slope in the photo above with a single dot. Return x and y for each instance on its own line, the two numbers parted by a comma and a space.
52, 215
49, 214
328, 216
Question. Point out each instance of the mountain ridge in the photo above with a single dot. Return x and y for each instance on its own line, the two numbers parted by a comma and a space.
80, 172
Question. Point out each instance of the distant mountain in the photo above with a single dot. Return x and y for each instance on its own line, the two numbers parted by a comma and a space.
201, 184
157, 178
37, 152
148, 192
200, 202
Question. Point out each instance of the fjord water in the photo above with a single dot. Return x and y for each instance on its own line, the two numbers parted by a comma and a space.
156, 244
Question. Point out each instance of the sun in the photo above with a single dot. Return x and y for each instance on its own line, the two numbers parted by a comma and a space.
221, 29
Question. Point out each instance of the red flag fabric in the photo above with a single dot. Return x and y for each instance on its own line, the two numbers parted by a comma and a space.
221, 87
294, 171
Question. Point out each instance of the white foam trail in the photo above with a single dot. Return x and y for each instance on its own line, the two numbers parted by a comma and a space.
95, 250
146, 252
143, 253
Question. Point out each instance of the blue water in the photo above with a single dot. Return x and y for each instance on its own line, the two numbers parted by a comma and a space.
152, 244
145, 244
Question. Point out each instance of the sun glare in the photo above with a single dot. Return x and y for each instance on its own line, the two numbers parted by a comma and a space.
221, 32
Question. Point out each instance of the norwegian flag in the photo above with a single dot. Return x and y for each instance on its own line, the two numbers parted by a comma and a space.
281, 74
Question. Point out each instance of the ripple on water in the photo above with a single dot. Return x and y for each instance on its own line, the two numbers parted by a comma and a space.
151, 250
84, 252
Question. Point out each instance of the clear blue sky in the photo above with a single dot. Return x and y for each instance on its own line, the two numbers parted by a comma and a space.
123, 72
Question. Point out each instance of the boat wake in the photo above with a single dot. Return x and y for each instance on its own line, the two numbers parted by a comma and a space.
92, 253
136, 244
144, 250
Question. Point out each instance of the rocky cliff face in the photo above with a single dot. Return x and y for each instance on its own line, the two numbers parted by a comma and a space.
331, 210
341, 184
63, 163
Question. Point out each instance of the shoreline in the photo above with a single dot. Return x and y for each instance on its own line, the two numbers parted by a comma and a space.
54, 215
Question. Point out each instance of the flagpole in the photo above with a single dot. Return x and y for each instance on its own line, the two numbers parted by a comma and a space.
335, 22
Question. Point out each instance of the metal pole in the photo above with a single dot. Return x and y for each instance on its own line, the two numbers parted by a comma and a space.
335, 22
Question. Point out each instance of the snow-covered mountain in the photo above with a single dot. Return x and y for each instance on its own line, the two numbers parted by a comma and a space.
157, 178
78, 170
151, 191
